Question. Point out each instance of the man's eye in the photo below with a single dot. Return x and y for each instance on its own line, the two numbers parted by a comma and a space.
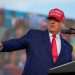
52, 23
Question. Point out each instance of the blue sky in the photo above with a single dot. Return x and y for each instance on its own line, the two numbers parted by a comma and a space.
40, 6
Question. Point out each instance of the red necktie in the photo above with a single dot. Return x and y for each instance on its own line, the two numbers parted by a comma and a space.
54, 48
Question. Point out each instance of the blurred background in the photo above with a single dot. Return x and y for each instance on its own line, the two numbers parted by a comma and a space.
18, 16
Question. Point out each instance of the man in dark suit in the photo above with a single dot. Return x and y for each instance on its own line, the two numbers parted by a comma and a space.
45, 49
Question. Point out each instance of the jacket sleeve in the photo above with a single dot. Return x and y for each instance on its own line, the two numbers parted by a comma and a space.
16, 44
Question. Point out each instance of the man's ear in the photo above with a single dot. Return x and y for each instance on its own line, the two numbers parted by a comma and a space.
63, 25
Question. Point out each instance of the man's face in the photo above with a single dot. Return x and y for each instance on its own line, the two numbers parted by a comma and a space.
54, 26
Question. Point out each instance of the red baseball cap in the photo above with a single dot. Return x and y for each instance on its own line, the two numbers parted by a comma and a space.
56, 14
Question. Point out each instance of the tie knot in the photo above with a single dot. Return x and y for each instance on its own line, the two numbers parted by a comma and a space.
54, 35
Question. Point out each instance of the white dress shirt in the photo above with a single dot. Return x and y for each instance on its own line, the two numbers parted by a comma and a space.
58, 42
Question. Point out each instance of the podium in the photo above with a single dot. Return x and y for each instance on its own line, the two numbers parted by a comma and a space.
65, 68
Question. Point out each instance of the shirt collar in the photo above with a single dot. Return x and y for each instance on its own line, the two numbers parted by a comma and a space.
57, 35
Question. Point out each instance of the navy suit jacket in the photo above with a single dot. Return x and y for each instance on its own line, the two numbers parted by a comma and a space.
38, 47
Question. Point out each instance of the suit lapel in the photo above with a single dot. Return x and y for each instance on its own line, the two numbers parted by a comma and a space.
62, 48
47, 40
48, 46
